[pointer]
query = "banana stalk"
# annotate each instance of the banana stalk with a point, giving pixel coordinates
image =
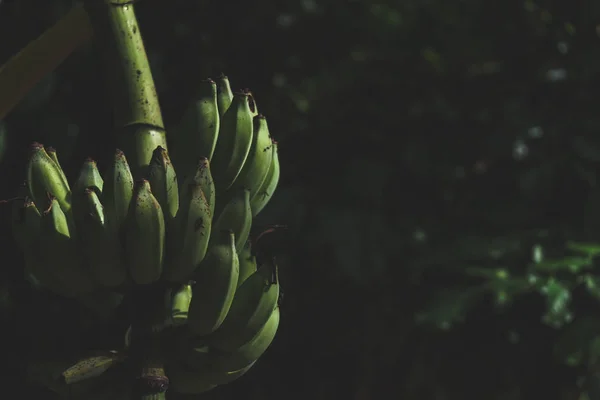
(145, 351)
(139, 131)
(136, 110)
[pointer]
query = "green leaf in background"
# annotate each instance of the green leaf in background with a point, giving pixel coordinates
(577, 341)
(558, 299)
(592, 285)
(589, 249)
(501, 284)
(449, 307)
(567, 264)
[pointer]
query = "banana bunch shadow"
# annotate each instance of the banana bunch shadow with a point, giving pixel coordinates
(105, 236)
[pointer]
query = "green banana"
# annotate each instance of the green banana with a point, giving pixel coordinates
(204, 178)
(117, 193)
(216, 279)
(52, 154)
(194, 371)
(258, 163)
(145, 236)
(233, 144)
(189, 236)
(224, 94)
(101, 252)
(89, 177)
(180, 304)
(59, 253)
(26, 230)
(251, 351)
(253, 106)
(44, 177)
(247, 264)
(237, 216)
(265, 193)
(252, 306)
(163, 182)
(197, 132)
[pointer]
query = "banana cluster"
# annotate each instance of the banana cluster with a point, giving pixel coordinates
(96, 237)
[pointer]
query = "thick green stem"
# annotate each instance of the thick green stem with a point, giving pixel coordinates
(146, 352)
(136, 110)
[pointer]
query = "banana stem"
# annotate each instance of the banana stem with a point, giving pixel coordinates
(147, 315)
(136, 109)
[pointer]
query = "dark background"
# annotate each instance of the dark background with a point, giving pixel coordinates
(418, 140)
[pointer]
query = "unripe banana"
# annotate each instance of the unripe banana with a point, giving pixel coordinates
(59, 252)
(197, 132)
(180, 304)
(26, 230)
(216, 279)
(118, 192)
(101, 249)
(252, 306)
(145, 236)
(44, 177)
(189, 235)
(233, 144)
(265, 193)
(251, 351)
(194, 367)
(52, 154)
(224, 94)
(204, 178)
(247, 264)
(237, 216)
(163, 182)
(253, 106)
(89, 177)
(258, 163)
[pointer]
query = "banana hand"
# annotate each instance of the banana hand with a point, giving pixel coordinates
(250, 310)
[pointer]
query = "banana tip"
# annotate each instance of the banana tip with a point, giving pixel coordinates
(36, 146)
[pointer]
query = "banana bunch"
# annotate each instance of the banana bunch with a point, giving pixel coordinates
(183, 226)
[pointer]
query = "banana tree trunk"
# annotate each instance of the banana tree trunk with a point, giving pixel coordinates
(139, 130)
(136, 110)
